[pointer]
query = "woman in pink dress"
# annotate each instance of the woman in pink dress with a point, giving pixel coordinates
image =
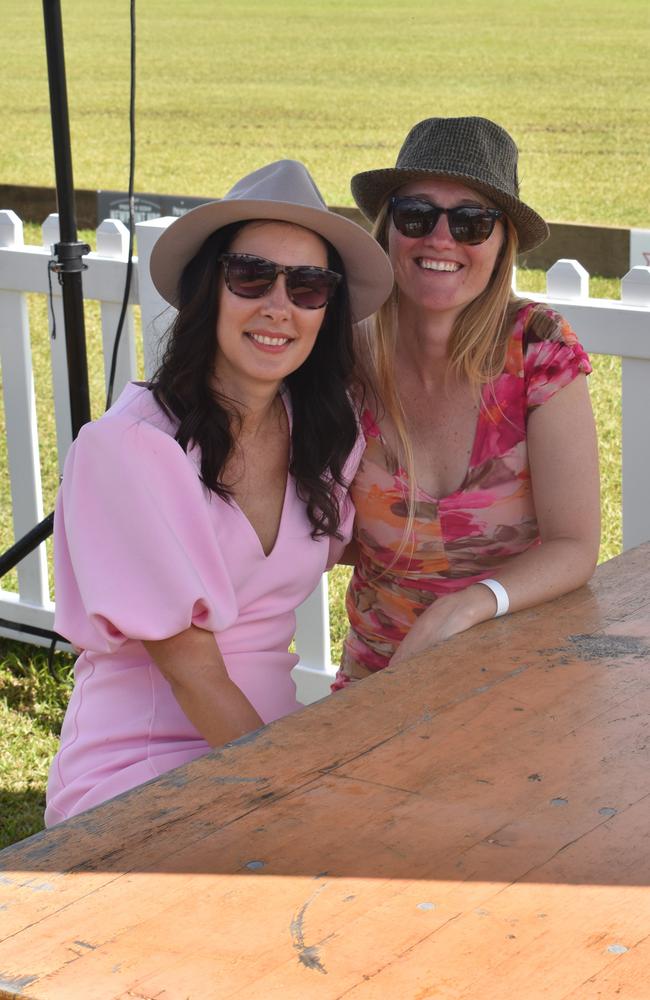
(478, 492)
(202, 508)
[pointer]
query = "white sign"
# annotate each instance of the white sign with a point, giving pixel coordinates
(639, 248)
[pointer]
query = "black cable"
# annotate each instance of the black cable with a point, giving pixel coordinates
(50, 656)
(50, 266)
(129, 263)
(43, 633)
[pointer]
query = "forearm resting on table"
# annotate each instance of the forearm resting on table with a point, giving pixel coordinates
(546, 571)
(540, 574)
(192, 664)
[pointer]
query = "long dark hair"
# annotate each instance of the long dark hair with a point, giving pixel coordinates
(324, 425)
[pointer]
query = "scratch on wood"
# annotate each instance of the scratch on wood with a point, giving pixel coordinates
(15, 984)
(224, 779)
(246, 738)
(307, 954)
(595, 647)
(144, 996)
(38, 887)
(173, 779)
(85, 944)
(153, 817)
(37, 848)
(591, 648)
(329, 767)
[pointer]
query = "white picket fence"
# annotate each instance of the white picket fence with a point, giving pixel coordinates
(603, 326)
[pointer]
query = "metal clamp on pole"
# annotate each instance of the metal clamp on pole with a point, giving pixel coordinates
(68, 258)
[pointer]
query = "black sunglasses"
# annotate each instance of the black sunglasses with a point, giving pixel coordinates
(251, 277)
(415, 217)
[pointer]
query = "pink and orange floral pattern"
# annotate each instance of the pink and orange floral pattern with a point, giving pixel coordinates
(458, 539)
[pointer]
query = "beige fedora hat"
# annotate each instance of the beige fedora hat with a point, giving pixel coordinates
(283, 191)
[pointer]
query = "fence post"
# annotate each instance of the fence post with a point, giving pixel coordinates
(20, 420)
(635, 391)
(58, 351)
(113, 241)
(567, 279)
(314, 674)
(156, 314)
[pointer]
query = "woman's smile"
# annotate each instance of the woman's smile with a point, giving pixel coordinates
(428, 264)
(267, 341)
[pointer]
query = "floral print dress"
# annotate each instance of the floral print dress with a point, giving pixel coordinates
(462, 538)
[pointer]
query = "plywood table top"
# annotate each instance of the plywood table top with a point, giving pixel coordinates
(473, 824)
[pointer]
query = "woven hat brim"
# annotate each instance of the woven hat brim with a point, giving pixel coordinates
(368, 271)
(371, 188)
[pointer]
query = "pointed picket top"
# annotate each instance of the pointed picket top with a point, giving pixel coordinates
(635, 287)
(11, 229)
(50, 231)
(113, 239)
(567, 279)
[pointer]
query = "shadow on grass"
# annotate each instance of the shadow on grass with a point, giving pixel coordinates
(33, 696)
(21, 814)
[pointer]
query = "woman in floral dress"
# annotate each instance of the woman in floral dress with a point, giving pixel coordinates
(478, 492)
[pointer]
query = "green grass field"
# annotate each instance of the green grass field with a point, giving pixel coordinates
(224, 88)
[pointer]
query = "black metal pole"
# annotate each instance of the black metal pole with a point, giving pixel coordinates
(68, 262)
(68, 252)
(26, 544)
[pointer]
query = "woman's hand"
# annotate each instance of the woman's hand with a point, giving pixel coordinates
(192, 663)
(447, 616)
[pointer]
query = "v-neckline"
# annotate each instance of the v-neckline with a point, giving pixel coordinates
(420, 491)
(267, 555)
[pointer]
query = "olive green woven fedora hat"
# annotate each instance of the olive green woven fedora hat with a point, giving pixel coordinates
(473, 150)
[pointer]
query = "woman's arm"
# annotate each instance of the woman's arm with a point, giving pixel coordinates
(563, 457)
(193, 665)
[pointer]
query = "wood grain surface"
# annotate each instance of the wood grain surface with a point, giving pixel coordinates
(472, 824)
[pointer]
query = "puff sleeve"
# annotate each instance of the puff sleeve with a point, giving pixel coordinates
(553, 356)
(136, 545)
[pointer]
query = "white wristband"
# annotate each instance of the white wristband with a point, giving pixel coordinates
(501, 594)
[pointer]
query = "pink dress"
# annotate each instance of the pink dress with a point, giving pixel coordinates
(142, 551)
(462, 538)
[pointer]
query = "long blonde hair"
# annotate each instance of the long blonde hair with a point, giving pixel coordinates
(477, 347)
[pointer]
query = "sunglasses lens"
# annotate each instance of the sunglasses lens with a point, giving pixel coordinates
(252, 277)
(311, 287)
(414, 218)
(249, 277)
(471, 225)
